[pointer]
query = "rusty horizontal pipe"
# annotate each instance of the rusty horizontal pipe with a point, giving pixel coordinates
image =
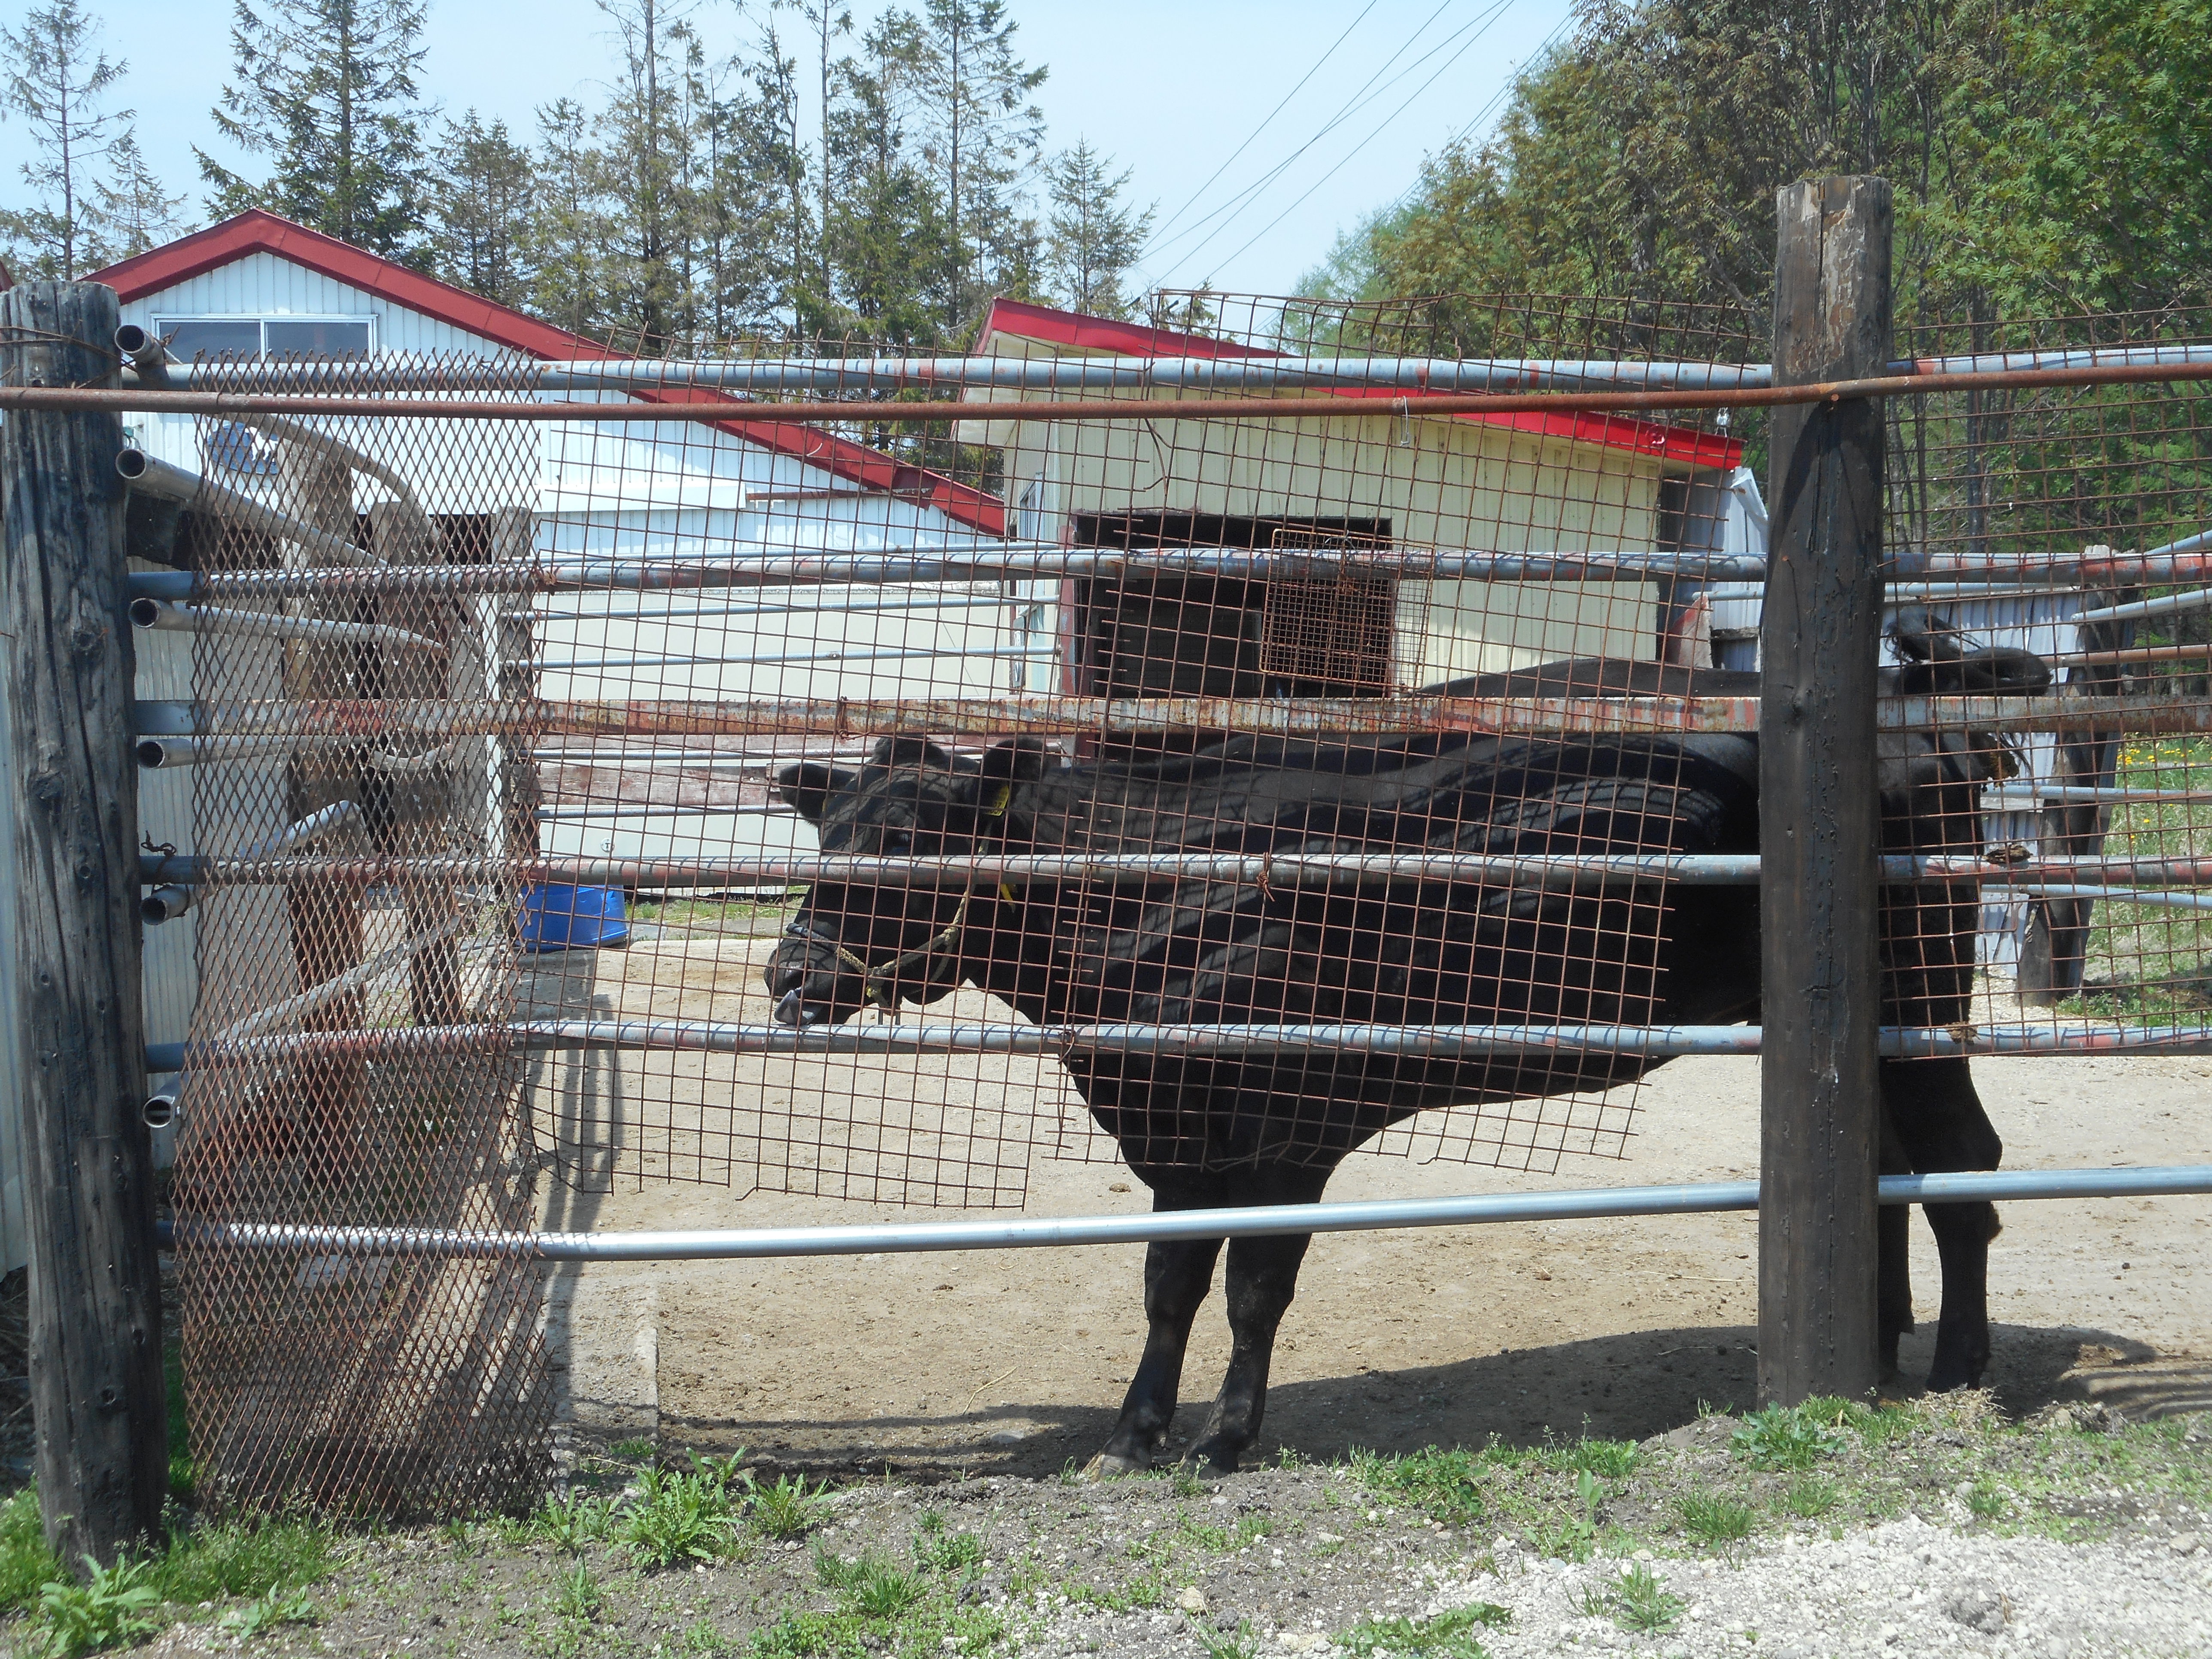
(2146, 654)
(1219, 1043)
(1047, 714)
(710, 408)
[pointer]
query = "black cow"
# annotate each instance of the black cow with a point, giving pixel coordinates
(1249, 1128)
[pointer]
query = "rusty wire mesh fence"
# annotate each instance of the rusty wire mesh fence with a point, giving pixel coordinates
(862, 809)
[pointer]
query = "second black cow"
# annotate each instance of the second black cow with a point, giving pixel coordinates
(1269, 1127)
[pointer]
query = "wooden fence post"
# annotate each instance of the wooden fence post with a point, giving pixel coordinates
(96, 1348)
(1819, 815)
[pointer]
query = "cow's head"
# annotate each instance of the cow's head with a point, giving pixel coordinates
(855, 945)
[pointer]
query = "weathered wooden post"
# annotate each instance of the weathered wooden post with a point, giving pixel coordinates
(1820, 1112)
(97, 1389)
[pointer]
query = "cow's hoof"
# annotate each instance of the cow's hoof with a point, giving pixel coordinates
(1112, 1466)
(1210, 1461)
(1959, 1364)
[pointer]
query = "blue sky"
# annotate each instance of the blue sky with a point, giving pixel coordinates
(1171, 90)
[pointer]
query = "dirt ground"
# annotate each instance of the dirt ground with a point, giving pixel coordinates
(1014, 1362)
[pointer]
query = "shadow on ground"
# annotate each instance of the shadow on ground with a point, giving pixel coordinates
(1627, 1387)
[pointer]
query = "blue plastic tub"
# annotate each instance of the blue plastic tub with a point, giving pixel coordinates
(558, 917)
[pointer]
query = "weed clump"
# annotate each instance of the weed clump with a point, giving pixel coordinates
(1449, 1634)
(1795, 1437)
(113, 1605)
(1637, 1602)
(682, 1519)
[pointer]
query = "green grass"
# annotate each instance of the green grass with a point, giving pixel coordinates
(1443, 1484)
(1450, 1634)
(1811, 1498)
(1613, 1460)
(1712, 1520)
(2147, 962)
(1637, 1602)
(268, 1613)
(881, 1605)
(25, 1562)
(570, 1522)
(1239, 1644)
(247, 1557)
(936, 1550)
(268, 1562)
(579, 1597)
(707, 915)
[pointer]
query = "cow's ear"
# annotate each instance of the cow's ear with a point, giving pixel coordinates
(909, 751)
(807, 785)
(1018, 759)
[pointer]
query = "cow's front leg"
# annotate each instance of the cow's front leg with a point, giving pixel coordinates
(1938, 1120)
(1963, 1232)
(1263, 1277)
(1176, 1278)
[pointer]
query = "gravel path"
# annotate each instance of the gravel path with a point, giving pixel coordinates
(1906, 1587)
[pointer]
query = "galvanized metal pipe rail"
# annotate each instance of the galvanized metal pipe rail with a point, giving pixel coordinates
(1052, 715)
(1239, 368)
(167, 616)
(1016, 561)
(149, 475)
(1226, 1043)
(1257, 1221)
(1288, 871)
(1012, 561)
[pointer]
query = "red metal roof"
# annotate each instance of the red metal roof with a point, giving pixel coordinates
(256, 232)
(1684, 445)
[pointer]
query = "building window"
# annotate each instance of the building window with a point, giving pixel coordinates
(319, 338)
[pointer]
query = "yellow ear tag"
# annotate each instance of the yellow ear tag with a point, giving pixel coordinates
(997, 807)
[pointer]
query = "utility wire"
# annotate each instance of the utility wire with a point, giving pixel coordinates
(1237, 202)
(1496, 12)
(1191, 200)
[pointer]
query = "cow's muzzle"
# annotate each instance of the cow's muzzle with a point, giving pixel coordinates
(805, 991)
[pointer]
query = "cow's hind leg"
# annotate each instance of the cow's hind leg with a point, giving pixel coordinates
(1262, 1278)
(1939, 1122)
(1177, 1279)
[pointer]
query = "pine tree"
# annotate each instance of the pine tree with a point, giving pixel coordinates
(568, 234)
(326, 89)
(480, 204)
(55, 79)
(891, 246)
(983, 133)
(131, 212)
(646, 145)
(829, 21)
(1093, 237)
